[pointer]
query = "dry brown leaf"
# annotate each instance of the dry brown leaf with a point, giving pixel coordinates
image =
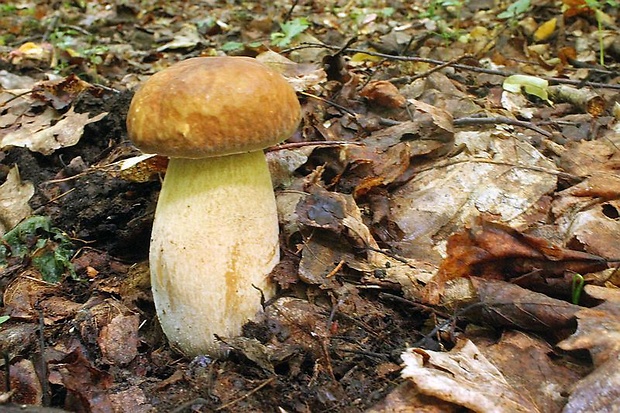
(16, 339)
(464, 376)
(587, 214)
(599, 327)
(599, 332)
(322, 258)
(143, 168)
(508, 305)
(587, 157)
(25, 383)
(386, 154)
(383, 93)
(449, 194)
(87, 385)
(187, 37)
(27, 295)
(598, 392)
(118, 340)
(131, 400)
(407, 399)
(529, 365)
(297, 322)
(62, 93)
(495, 251)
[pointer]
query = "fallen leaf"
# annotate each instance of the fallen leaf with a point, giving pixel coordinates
(143, 168)
(587, 214)
(530, 366)
(383, 93)
(39, 135)
(25, 383)
(508, 305)
(597, 392)
(27, 296)
(16, 339)
(31, 52)
(299, 323)
(252, 349)
(118, 340)
(465, 377)
(495, 251)
(14, 197)
(301, 76)
(187, 37)
(449, 194)
(599, 327)
(531, 85)
(598, 331)
(406, 398)
(545, 30)
(62, 93)
(86, 385)
(131, 400)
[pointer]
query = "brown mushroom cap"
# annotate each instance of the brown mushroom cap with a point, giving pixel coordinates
(212, 106)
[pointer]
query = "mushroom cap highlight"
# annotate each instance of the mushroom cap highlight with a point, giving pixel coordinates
(212, 106)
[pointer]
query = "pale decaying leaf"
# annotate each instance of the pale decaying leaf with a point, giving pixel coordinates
(186, 38)
(530, 366)
(598, 392)
(465, 377)
(283, 163)
(586, 213)
(14, 197)
(599, 332)
(599, 327)
(494, 176)
(39, 135)
(302, 76)
(407, 399)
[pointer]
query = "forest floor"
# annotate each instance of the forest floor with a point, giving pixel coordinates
(449, 208)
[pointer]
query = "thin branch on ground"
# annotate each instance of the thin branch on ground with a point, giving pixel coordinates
(496, 120)
(552, 80)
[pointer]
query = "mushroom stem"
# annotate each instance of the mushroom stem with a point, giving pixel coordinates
(213, 245)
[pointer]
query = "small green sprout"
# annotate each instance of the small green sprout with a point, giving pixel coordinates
(577, 288)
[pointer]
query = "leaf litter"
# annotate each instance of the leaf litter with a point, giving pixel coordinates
(451, 188)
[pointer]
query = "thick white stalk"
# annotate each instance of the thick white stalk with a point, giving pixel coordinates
(215, 237)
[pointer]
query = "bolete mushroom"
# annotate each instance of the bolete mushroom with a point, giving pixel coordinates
(215, 233)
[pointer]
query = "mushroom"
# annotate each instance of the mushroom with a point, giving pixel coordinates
(215, 233)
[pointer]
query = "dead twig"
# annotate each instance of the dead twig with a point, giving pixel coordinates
(553, 80)
(329, 102)
(561, 174)
(45, 385)
(495, 120)
(189, 404)
(295, 145)
(248, 394)
(452, 62)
